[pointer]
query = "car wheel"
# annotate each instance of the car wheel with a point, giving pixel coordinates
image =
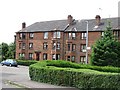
(10, 65)
(2, 64)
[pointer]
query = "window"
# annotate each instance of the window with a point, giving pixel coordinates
(56, 57)
(82, 59)
(73, 47)
(22, 35)
(54, 45)
(30, 45)
(83, 47)
(68, 58)
(68, 47)
(21, 55)
(44, 56)
(102, 34)
(58, 46)
(84, 35)
(73, 58)
(45, 45)
(31, 35)
(116, 34)
(23, 45)
(20, 45)
(56, 34)
(71, 35)
(30, 56)
(46, 35)
(53, 57)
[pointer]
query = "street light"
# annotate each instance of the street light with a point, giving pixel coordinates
(86, 42)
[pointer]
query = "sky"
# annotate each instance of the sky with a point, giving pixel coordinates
(14, 12)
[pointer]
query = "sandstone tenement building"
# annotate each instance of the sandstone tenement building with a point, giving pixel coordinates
(61, 39)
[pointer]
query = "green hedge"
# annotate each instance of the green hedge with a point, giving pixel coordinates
(79, 78)
(67, 64)
(26, 62)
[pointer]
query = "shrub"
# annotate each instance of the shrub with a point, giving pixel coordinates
(67, 76)
(26, 62)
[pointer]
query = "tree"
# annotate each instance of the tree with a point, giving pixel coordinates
(4, 50)
(106, 50)
(11, 51)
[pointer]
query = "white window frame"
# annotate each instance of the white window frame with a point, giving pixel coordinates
(83, 47)
(84, 35)
(45, 35)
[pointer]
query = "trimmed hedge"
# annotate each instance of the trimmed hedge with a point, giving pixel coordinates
(26, 62)
(79, 78)
(67, 64)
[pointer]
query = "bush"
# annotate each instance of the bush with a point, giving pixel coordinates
(79, 78)
(26, 62)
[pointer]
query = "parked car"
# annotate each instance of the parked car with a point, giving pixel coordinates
(9, 62)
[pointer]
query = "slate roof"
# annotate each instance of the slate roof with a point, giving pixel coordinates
(79, 25)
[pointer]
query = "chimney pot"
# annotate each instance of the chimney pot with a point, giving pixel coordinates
(23, 25)
(70, 19)
(98, 18)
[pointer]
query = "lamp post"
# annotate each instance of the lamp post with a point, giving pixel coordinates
(86, 42)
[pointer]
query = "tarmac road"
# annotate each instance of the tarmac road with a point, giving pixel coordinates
(18, 77)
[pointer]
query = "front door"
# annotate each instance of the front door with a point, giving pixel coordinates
(38, 56)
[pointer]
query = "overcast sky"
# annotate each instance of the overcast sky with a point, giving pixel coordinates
(14, 12)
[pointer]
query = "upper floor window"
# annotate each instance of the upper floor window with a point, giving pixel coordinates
(30, 45)
(73, 47)
(68, 47)
(102, 34)
(83, 35)
(45, 35)
(20, 45)
(45, 45)
(116, 34)
(22, 36)
(58, 45)
(31, 35)
(83, 47)
(23, 45)
(71, 35)
(56, 34)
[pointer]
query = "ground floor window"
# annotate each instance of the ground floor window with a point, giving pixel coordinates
(21, 55)
(56, 57)
(30, 56)
(44, 56)
(82, 59)
(73, 58)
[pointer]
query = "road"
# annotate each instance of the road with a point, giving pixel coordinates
(18, 77)
(8, 75)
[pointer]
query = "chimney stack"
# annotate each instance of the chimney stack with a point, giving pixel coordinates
(70, 19)
(98, 18)
(23, 25)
